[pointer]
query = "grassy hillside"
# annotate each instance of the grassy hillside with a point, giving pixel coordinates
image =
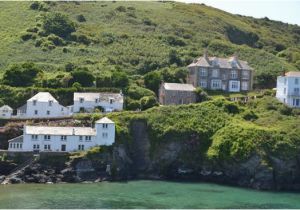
(137, 37)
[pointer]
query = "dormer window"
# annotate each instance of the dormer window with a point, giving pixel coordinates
(81, 100)
(50, 103)
(34, 102)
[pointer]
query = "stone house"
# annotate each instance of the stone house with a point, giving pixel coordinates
(227, 74)
(176, 93)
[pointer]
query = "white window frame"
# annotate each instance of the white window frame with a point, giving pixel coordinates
(245, 85)
(214, 86)
(203, 72)
(233, 74)
(203, 83)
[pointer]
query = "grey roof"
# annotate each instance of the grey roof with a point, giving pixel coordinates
(67, 131)
(18, 139)
(6, 107)
(43, 97)
(293, 74)
(104, 120)
(22, 108)
(178, 86)
(226, 63)
(118, 97)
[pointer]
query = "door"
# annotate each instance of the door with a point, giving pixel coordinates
(63, 147)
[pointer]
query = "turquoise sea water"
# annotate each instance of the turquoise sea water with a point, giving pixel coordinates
(141, 194)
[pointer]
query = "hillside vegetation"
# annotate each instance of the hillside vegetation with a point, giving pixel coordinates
(138, 38)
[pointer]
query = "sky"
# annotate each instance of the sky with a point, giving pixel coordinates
(287, 11)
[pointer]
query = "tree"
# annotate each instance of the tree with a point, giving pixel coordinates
(201, 95)
(82, 76)
(148, 102)
(119, 79)
(174, 58)
(58, 24)
(152, 80)
(104, 81)
(21, 75)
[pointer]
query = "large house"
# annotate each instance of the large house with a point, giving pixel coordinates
(88, 102)
(64, 139)
(42, 105)
(6, 112)
(227, 74)
(176, 93)
(288, 89)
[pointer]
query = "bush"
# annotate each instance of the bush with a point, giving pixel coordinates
(83, 76)
(80, 18)
(152, 80)
(58, 24)
(70, 67)
(174, 41)
(57, 41)
(21, 75)
(119, 79)
(201, 95)
(27, 36)
(249, 115)
(121, 9)
(148, 102)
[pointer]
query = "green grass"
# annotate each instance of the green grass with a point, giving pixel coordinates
(137, 43)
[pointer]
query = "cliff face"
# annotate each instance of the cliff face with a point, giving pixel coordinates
(183, 161)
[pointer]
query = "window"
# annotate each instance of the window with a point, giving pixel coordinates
(96, 100)
(285, 81)
(234, 85)
(34, 137)
(203, 83)
(216, 84)
(80, 138)
(47, 137)
(81, 100)
(105, 125)
(17, 145)
(63, 138)
(34, 102)
(284, 90)
(296, 81)
(50, 103)
(111, 101)
(296, 102)
(224, 76)
(14, 145)
(215, 73)
(36, 146)
(233, 74)
(47, 147)
(80, 147)
(48, 112)
(244, 85)
(35, 112)
(88, 138)
(245, 74)
(203, 72)
(104, 135)
(20, 145)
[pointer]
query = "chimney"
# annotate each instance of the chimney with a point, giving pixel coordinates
(205, 54)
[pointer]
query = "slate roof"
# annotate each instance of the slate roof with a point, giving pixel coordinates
(18, 139)
(118, 97)
(293, 74)
(6, 107)
(66, 131)
(179, 87)
(226, 63)
(104, 120)
(43, 97)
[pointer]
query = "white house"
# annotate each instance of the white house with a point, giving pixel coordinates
(87, 102)
(64, 139)
(42, 105)
(288, 89)
(6, 112)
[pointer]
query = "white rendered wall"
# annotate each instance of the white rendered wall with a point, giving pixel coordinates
(91, 105)
(56, 110)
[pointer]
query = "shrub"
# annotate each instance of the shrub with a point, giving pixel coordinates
(83, 76)
(175, 41)
(121, 9)
(80, 18)
(57, 41)
(152, 80)
(148, 102)
(201, 95)
(70, 67)
(21, 74)
(58, 24)
(249, 115)
(27, 36)
(119, 79)
(108, 38)
(149, 22)
(285, 110)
